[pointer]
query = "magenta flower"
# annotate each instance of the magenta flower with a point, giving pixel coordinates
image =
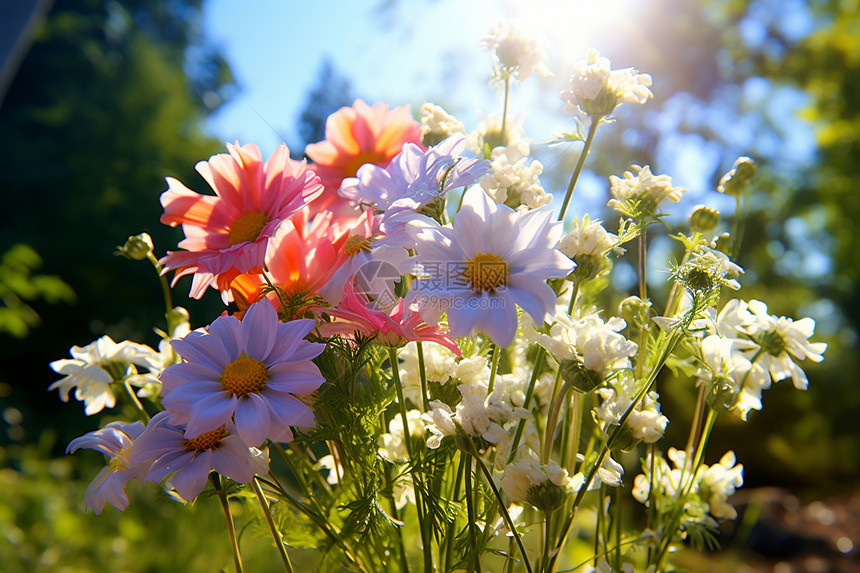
(115, 441)
(246, 372)
(190, 461)
(402, 324)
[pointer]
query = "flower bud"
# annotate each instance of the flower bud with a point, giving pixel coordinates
(581, 378)
(623, 439)
(546, 496)
(704, 218)
(635, 312)
(739, 177)
(723, 243)
(137, 247)
(587, 267)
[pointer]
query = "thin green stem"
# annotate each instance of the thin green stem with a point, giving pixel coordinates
(592, 129)
(228, 516)
(505, 109)
(449, 540)
(165, 287)
(684, 489)
(552, 421)
(425, 401)
(504, 509)
(318, 520)
(670, 345)
(643, 291)
(737, 228)
(494, 366)
(276, 535)
(518, 435)
(144, 417)
(398, 385)
(470, 514)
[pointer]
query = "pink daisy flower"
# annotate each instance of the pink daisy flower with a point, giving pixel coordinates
(402, 324)
(190, 460)
(247, 372)
(227, 234)
(357, 135)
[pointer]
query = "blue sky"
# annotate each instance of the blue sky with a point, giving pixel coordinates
(412, 51)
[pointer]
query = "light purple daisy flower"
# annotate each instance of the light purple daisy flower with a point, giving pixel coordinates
(249, 372)
(493, 259)
(190, 461)
(115, 441)
(413, 179)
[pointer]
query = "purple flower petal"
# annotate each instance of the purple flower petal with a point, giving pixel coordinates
(210, 413)
(252, 419)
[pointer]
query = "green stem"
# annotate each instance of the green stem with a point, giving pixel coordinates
(737, 228)
(470, 513)
(643, 294)
(165, 288)
(449, 541)
(504, 509)
(398, 385)
(228, 516)
(684, 490)
(552, 421)
(578, 169)
(505, 109)
(676, 336)
(541, 352)
(425, 401)
(494, 366)
(276, 535)
(144, 417)
(318, 520)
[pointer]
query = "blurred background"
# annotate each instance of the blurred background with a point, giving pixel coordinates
(100, 100)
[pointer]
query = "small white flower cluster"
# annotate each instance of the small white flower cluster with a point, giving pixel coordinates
(515, 181)
(711, 485)
(597, 344)
(392, 446)
(645, 421)
(94, 369)
(639, 192)
(523, 478)
(437, 124)
(488, 137)
(588, 238)
(748, 348)
(477, 414)
(707, 269)
(518, 53)
(596, 89)
(440, 365)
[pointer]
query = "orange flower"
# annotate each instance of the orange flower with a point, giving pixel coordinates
(302, 256)
(227, 234)
(357, 135)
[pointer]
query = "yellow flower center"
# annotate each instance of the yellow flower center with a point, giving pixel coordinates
(207, 441)
(486, 272)
(244, 376)
(356, 244)
(247, 227)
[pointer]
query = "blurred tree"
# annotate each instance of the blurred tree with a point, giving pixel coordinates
(779, 81)
(109, 100)
(331, 93)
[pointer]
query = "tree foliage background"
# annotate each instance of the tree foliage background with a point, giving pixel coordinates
(112, 97)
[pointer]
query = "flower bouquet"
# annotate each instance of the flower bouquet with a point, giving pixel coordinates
(418, 361)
